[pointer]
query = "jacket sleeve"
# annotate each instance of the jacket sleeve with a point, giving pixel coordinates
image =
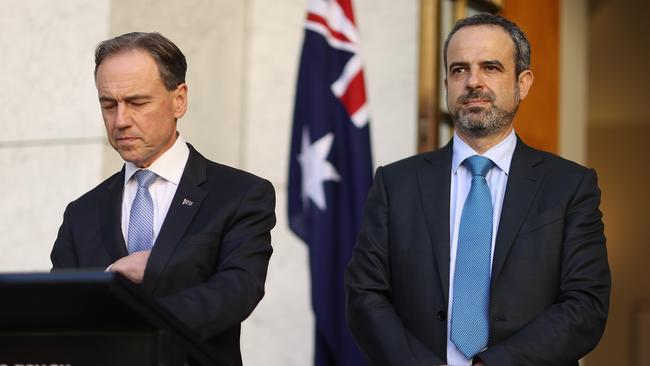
(371, 315)
(63, 253)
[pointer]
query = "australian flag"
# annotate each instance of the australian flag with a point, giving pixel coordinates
(330, 168)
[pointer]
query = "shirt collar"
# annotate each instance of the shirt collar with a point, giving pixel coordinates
(169, 165)
(500, 154)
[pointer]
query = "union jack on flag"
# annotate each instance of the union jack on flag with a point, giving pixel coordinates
(330, 167)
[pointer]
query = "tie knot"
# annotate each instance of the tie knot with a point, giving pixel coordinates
(145, 177)
(478, 165)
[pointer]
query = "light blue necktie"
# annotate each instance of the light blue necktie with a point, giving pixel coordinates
(141, 219)
(470, 308)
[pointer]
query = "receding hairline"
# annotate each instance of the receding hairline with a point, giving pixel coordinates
(494, 26)
(124, 51)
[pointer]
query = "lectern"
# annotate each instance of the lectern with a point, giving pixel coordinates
(90, 318)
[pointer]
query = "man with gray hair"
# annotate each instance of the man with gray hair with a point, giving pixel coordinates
(487, 251)
(192, 233)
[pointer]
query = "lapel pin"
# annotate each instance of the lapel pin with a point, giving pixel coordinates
(187, 202)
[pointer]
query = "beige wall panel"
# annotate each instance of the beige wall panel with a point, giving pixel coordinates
(46, 68)
(389, 41)
(51, 143)
(574, 32)
(274, 36)
(37, 185)
(280, 331)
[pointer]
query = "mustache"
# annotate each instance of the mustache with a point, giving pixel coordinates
(477, 94)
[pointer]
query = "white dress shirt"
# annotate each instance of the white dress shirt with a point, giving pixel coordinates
(461, 182)
(169, 168)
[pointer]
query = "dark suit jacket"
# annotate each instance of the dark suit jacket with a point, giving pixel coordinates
(550, 282)
(209, 262)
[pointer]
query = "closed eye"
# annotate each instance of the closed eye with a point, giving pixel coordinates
(138, 103)
(108, 105)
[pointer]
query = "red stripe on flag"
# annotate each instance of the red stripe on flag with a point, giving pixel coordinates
(346, 5)
(355, 95)
(318, 19)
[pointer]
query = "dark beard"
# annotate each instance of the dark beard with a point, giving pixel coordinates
(479, 121)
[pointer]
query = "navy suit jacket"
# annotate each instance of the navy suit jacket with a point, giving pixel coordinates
(550, 283)
(209, 262)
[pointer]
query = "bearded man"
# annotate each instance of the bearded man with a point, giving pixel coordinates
(487, 251)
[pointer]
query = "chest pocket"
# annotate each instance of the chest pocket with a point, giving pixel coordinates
(542, 219)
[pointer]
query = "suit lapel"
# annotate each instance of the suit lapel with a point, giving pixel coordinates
(523, 181)
(434, 180)
(111, 219)
(186, 203)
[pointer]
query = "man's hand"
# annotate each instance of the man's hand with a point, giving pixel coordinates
(132, 266)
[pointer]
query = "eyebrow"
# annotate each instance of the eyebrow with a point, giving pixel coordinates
(127, 99)
(493, 63)
(482, 63)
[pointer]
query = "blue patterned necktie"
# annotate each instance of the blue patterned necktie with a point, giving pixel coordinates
(470, 308)
(141, 219)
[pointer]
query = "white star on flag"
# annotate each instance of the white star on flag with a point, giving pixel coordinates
(315, 168)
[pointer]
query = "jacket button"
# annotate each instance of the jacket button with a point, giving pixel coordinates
(441, 316)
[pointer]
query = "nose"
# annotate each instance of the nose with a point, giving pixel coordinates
(122, 116)
(475, 79)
